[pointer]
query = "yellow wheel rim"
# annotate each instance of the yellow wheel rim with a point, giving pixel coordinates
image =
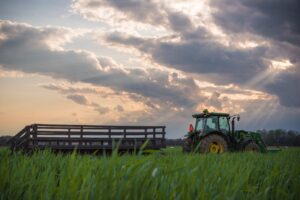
(216, 148)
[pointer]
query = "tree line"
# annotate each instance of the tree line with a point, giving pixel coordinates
(280, 137)
(277, 137)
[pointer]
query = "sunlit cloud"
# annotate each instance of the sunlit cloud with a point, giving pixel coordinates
(281, 65)
(143, 17)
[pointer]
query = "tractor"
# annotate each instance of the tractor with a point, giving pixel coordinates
(215, 133)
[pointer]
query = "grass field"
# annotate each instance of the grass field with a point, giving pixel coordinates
(171, 176)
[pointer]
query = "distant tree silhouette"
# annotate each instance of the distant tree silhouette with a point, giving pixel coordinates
(280, 137)
(4, 139)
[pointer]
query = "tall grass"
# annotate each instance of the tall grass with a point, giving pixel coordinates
(45, 175)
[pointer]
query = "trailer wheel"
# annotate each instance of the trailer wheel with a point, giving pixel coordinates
(251, 146)
(213, 144)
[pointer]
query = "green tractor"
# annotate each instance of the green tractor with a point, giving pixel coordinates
(215, 133)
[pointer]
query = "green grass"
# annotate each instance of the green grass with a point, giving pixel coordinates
(171, 176)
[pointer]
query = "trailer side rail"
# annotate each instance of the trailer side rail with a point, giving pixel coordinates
(88, 137)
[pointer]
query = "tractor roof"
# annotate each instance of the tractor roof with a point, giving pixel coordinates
(207, 114)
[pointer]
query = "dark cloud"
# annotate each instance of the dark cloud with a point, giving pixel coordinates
(231, 66)
(139, 43)
(201, 57)
(101, 110)
(261, 114)
(274, 19)
(65, 90)
(286, 87)
(141, 10)
(119, 108)
(80, 99)
(180, 22)
(70, 90)
(26, 49)
(154, 88)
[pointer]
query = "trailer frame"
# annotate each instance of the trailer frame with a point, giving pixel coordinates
(88, 138)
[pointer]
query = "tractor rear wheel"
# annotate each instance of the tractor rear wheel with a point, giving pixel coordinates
(213, 144)
(251, 146)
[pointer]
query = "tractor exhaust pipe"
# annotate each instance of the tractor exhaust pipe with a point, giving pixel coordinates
(233, 122)
(232, 126)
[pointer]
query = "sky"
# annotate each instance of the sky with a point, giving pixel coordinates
(149, 62)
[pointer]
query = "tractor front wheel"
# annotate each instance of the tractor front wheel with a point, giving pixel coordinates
(251, 146)
(187, 145)
(213, 144)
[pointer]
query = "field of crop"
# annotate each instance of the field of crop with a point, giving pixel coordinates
(174, 175)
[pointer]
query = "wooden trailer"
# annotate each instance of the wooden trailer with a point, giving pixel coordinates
(88, 138)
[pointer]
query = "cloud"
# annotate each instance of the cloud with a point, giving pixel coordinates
(130, 15)
(271, 27)
(180, 22)
(193, 63)
(286, 87)
(29, 49)
(143, 10)
(157, 87)
(31, 54)
(80, 99)
(201, 57)
(215, 100)
(277, 20)
(147, 15)
(101, 110)
(223, 64)
(119, 108)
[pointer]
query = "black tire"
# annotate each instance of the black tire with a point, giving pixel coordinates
(210, 142)
(187, 145)
(251, 146)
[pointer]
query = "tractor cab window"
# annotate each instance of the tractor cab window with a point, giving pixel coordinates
(211, 123)
(223, 123)
(199, 124)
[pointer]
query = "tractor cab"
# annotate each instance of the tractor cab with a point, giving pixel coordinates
(211, 122)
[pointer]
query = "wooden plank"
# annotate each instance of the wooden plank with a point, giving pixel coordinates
(62, 126)
(94, 139)
(88, 125)
(96, 133)
(99, 147)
